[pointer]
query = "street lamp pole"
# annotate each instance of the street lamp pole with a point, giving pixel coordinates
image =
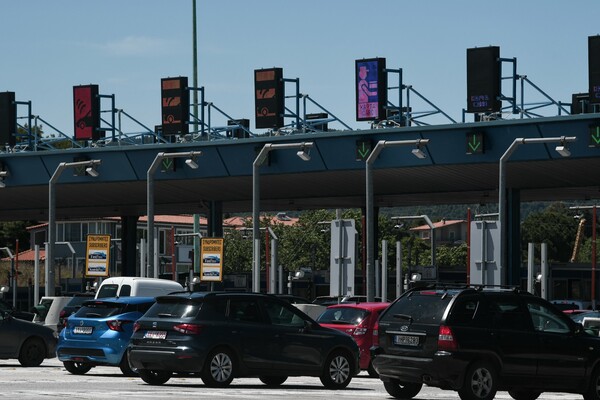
(190, 155)
(561, 149)
(417, 152)
(89, 170)
(258, 161)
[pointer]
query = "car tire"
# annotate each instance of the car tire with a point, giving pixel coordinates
(481, 382)
(272, 380)
(77, 368)
(401, 390)
(338, 370)
(524, 394)
(219, 369)
(593, 392)
(32, 352)
(371, 371)
(126, 368)
(154, 377)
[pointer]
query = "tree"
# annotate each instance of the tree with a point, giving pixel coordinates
(554, 226)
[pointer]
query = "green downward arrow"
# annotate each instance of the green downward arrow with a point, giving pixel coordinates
(474, 144)
(596, 135)
(167, 164)
(363, 151)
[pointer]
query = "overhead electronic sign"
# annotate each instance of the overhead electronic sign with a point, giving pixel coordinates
(594, 68)
(483, 79)
(8, 118)
(175, 105)
(371, 89)
(269, 98)
(86, 112)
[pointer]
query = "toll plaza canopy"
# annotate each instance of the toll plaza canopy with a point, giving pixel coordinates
(461, 167)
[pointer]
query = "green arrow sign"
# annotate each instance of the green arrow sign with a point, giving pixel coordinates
(595, 135)
(167, 165)
(363, 149)
(475, 143)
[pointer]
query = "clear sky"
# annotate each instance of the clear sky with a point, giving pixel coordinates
(127, 46)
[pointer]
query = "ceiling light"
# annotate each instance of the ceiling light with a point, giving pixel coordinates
(304, 155)
(563, 150)
(419, 153)
(191, 163)
(92, 172)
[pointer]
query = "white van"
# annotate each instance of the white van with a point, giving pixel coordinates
(123, 286)
(47, 312)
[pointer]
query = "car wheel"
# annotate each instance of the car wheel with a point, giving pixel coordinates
(371, 371)
(524, 394)
(337, 373)
(272, 380)
(77, 368)
(401, 390)
(219, 369)
(126, 368)
(153, 377)
(32, 353)
(480, 382)
(593, 392)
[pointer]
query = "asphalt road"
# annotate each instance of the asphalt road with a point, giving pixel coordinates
(52, 381)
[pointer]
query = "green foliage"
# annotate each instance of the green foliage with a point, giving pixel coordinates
(10, 231)
(555, 226)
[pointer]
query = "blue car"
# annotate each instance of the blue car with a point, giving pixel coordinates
(99, 332)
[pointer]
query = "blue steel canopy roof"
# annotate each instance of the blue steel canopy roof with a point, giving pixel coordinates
(333, 178)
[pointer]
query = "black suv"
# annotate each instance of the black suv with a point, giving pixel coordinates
(221, 336)
(481, 340)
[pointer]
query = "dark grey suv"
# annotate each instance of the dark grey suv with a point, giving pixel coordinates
(477, 341)
(220, 336)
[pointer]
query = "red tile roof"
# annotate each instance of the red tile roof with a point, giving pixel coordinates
(28, 255)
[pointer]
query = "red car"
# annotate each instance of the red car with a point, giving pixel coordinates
(359, 320)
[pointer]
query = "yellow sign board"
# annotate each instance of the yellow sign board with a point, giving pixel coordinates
(211, 259)
(97, 255)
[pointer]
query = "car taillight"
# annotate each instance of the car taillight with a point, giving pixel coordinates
(136, 326)
(117, 324)
(446, 339)
(188, 329)
(376, 334)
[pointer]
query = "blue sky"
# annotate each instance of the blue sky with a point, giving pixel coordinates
(126, 47)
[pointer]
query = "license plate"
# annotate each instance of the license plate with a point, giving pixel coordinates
(83, 330)
(155, 335)
(406, 340)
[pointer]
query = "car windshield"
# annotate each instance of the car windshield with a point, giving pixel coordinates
(424, 306)
(340, 315)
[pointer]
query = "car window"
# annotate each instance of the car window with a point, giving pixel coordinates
(125, 291)
(340, 315)
(281, 315)
(465, 311)
(99, 310)
(174, 309)
(244, 310)
(422, 307)
(508, 313)
(108, 290)
(546, 319)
